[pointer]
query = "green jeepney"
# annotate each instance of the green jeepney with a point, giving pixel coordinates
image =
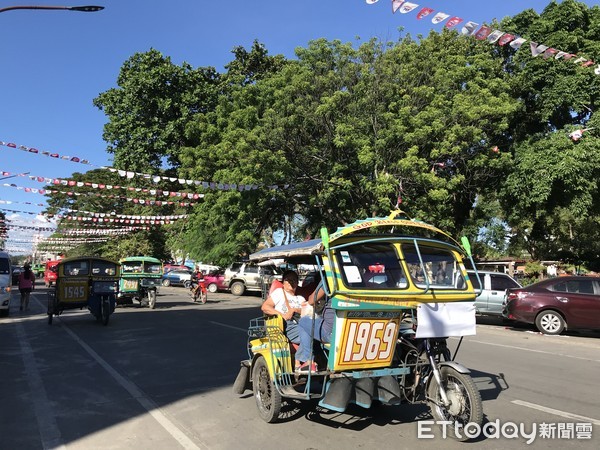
(140, 278)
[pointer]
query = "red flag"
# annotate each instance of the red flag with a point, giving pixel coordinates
(483, 33)
(453, 21)
(506, 39)
(424, 13)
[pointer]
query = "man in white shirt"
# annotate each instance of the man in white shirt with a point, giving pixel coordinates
(285, 302)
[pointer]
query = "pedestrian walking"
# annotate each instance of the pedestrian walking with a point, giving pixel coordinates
(26, 285)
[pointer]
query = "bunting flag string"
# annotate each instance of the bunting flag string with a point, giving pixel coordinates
(129, 216)
(10, 202)
(139, 201)
(73, 183)
(111, 220)
(486, 33)
(100, 231)
(155, 178)
(20, 212)
(58, 240)
(107, 217)
(26, 227)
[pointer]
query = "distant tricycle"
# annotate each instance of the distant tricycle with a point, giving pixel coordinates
(85, 282)
(140, 278)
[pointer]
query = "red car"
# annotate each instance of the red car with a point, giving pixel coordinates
(556, 303)
(215, 281)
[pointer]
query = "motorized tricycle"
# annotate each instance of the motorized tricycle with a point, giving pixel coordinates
(50, 272)
(380, 276)
(85, 282)
(140, 278)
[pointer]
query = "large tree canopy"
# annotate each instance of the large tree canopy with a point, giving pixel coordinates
(346, 132)
(469, 135)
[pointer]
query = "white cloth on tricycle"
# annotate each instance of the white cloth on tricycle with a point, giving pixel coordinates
(445, 319)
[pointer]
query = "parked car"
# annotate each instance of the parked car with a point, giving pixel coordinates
(170, 267)
(5, 283)
(177, 277)
(215, 281)
(241, 277)
(556, 304)
(493, 285)
(16, 271)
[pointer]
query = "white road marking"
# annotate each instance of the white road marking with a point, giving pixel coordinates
(49, 431)
(245, 330)
(130, 387)
(556, 412)
(534, 351)
(139, 395)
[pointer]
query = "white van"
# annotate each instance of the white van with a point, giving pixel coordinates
(490, 301)
(5, 283)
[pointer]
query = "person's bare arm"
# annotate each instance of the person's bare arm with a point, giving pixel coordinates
(268, 307)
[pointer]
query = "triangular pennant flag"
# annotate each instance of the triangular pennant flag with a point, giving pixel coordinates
(424, 13)
(439, 17)
(408, 7)
(453, 21)
(494, 36)
(483, 33)
(516, 44)
(505, 39)
(549, 53)
(536, 49)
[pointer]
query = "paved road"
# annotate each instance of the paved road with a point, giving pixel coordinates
(162, 379)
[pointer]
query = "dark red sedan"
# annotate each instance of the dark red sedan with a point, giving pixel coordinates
(556, 303)
(215, 281)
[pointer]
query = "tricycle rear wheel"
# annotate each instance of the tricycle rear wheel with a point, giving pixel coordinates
(268, 398)
(105, 310)
(152, 298)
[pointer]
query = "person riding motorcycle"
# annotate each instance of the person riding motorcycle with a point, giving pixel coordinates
(200, 289)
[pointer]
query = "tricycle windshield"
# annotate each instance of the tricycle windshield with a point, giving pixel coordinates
(132, 267)
(103, 268)
(153, 268)
(76, 268)
(378, 266)
(432, 266)
(371, 266)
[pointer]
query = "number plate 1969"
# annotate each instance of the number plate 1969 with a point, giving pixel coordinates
(367, 342)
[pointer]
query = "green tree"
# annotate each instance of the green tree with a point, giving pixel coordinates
(149, 110)
(347, 131)
(551, 196)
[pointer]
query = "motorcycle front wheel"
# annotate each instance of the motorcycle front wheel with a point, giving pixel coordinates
(465, 402)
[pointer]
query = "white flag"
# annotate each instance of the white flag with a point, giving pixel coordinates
(408, 7)
(469, 27)
(439, 17)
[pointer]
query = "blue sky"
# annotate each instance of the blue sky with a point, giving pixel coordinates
(54, 63)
